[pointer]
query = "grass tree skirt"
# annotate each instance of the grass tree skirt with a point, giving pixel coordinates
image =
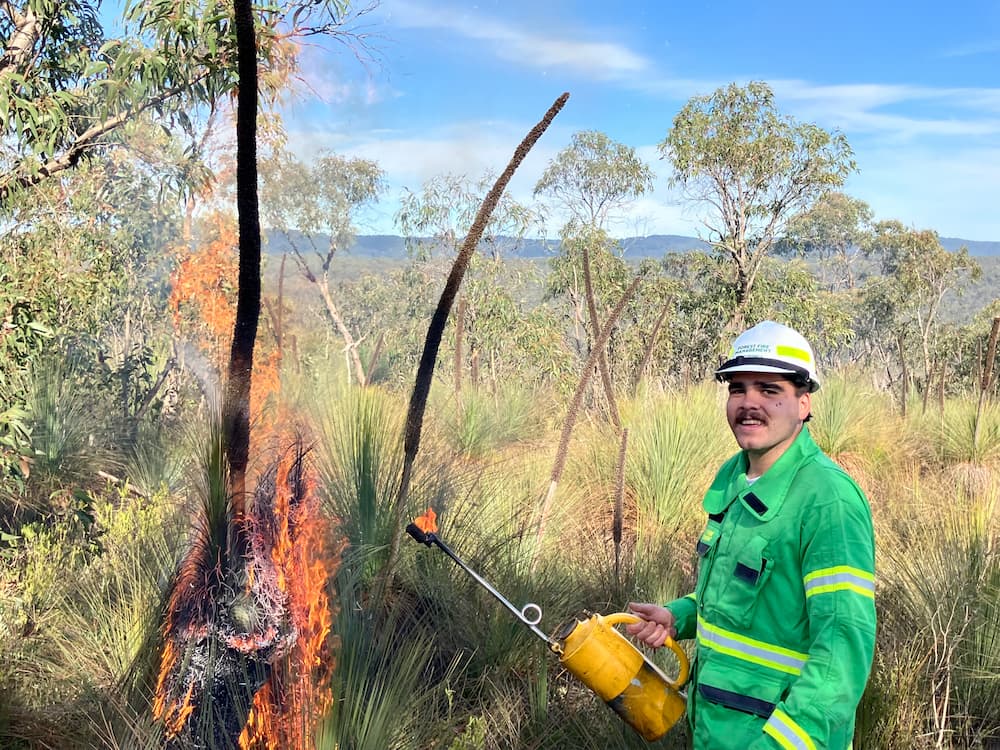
(237, 624)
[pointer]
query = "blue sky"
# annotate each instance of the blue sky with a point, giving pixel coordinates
(453, 87)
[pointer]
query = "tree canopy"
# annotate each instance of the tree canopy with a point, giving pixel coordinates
(66, 85)
(754, 169)
(594, 176)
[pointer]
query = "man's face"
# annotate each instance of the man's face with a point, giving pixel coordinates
(765, 414)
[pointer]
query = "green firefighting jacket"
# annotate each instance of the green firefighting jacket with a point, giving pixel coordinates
(784, 608)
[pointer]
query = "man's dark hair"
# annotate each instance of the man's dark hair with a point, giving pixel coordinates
(802, 387)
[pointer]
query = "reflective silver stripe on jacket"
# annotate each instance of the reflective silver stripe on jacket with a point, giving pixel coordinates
(749, 649)
(839, 578)
(787, 733)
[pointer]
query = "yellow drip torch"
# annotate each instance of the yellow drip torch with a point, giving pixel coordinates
(597, 655)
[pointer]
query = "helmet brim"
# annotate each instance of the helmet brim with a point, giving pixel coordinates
(794, 373)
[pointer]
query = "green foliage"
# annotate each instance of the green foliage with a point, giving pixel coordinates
(851, 421)
(788, 292)
(69, 432)
(953, 433)
(67, 84)
(594, 177)
(674, 450)
(945, 600)
(436, 219)
(906, 301)
(833, 230)
(703, 299)
(610, 272)
(78, 625)
(481, 422)
(754, 167)
(395, 305)
(508, 339)
(360, 463)
(610, 277)
(381, 697)
(676, 443)
(320, 198)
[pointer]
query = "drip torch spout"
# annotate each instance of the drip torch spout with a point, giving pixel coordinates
(530, 614)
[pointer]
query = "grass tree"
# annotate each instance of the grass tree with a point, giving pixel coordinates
(590, 182)
(434, 222)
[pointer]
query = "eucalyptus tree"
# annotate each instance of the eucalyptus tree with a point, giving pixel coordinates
(592, 182)
(314, 207)
(918, 273)
(68, 84)
(833, 230)
(435, 219)
(594, 178)
(752, 168)
(491, 325)
(77, 83)
(84, 269)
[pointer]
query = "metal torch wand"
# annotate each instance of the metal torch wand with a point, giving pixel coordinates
(530, 614)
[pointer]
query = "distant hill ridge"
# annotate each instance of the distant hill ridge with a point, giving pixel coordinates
(653, 246)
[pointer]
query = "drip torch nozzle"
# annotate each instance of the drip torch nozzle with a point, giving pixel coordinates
(419, 534)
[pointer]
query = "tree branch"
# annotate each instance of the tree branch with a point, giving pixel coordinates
(22, 41)
(16, 180)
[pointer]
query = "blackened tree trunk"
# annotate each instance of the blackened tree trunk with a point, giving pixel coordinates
(236, 405)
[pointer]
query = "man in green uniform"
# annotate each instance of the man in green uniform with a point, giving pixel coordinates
(784, 607)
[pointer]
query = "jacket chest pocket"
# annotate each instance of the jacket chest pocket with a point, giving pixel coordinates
(739, 578)
(706, 548)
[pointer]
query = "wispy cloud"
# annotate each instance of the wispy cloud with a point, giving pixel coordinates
(521, 44)
(900, 110)
(326, 78)
(971, 49)
(469, 148)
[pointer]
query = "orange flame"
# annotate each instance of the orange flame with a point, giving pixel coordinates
(294, 558)
(173, 713)
(171, 708)
(298, 690)
(203, 300)
(427, 523)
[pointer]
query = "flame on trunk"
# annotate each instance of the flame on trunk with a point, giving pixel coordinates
(173, 713)
(297, 691)
(285, 577)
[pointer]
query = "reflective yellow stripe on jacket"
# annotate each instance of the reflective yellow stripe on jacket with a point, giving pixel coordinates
(787, 733)
(749, 649)
(840, 578)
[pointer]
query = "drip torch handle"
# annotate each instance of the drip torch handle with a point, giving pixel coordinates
(627, 618)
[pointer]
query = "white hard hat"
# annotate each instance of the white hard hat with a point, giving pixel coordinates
(772, 347)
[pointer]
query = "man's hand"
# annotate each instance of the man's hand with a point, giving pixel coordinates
(656, 627)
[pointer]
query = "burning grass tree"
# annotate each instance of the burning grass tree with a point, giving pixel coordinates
(247, 640)
(246, 635)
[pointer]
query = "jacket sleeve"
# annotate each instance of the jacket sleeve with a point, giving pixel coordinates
(685, 612)
(838, 578)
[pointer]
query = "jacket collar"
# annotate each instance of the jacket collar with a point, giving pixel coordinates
(764, 498)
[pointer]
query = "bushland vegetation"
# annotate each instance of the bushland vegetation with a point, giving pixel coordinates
(571, 425)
